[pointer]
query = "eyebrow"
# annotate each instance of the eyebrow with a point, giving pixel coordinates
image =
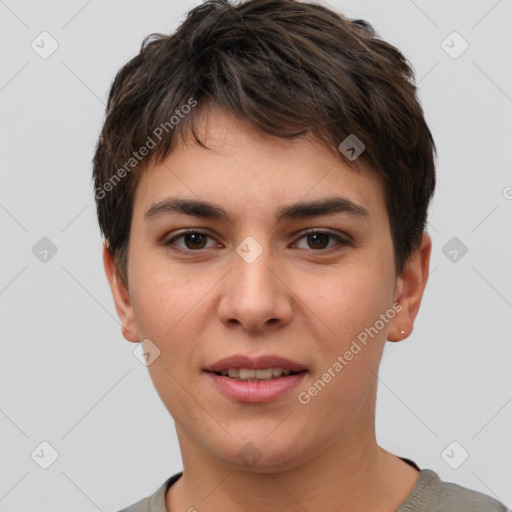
(206, 210)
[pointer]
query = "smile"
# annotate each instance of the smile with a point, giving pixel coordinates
(251, 375)
(246, 387)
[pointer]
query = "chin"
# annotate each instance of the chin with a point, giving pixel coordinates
(261, 455)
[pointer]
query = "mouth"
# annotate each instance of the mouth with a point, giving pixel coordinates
(251, 375)
(261, 379)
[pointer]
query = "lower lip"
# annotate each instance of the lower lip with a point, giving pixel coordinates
(263, 391)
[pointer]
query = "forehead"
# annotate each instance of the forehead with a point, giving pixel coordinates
(246, 168)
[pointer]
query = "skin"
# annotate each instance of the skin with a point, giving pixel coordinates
(304, 299)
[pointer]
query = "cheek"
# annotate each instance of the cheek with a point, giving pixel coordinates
(163, 299)
(348, 302)
(348, 306)
(172, 309)
(166, 310)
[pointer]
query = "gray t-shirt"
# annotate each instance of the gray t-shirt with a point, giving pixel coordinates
(430, 494)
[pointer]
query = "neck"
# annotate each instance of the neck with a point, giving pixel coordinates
(350, 474)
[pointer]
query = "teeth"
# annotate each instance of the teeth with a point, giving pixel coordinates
(276, 372)
(263, 374)
(245, 373)
(255, 375)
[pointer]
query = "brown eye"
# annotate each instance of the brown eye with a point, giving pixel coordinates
(319, 240)
(195, 241)
(192, 240)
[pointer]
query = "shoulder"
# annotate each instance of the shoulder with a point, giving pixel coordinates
(431, 494)
(155, 502)
(141, 506)
(454, 497)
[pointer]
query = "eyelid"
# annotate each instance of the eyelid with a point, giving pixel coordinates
(341, 236)
(342, 239)
(170, 241)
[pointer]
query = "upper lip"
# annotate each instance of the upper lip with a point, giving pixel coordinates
(255, 363)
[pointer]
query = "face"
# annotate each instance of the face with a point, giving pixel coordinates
(260, 281)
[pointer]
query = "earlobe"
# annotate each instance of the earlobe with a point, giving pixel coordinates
(121, 297)
(410, 288)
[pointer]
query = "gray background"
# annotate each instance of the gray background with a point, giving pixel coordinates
(67, 375)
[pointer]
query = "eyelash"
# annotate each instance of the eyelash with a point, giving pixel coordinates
(169, 243)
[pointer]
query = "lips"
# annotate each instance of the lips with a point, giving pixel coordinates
(255, 379)
(257, 363)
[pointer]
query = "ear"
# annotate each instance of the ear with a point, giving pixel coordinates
(121, 297)
(409, 290)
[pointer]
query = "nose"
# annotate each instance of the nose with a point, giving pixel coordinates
(255, 296)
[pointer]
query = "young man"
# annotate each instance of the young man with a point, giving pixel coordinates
(262, 181)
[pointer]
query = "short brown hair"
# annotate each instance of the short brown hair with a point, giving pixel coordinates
(287, 67)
